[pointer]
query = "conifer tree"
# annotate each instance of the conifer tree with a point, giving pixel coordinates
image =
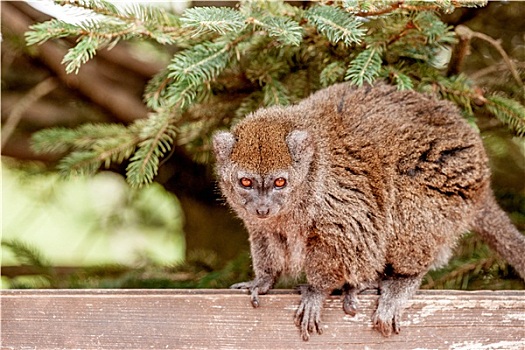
(263, 53)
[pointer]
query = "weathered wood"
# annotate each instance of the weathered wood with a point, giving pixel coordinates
(224, 319)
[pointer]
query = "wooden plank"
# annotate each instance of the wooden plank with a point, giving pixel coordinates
(224, 319)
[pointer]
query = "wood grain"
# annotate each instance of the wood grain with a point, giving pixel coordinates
(224, 319)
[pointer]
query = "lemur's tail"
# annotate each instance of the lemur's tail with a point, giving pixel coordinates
(495, 227)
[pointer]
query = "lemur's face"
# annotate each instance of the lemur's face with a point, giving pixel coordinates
(261, 164)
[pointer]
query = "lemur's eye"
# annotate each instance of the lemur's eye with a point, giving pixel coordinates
(280, 182)
(245, 182)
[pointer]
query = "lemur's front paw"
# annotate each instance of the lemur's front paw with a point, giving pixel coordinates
(308, 316)
(255, 287)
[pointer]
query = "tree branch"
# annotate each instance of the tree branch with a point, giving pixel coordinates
(465, 35)
(111, 96)
(40, 90)
(496, 68)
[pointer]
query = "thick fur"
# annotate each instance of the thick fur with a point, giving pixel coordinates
(380, 184)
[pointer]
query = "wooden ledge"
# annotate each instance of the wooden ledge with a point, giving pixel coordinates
(224, 319)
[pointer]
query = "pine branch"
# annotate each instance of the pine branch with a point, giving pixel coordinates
(101, 7)
(221, 20)
(275, 93)
(457, 89)
(26, 254)
(158, 134)
(332, 73)
(336, 24)
(155, 93)
(420, 36)
(510, 112)
(270, 65)
(141, 16)
(79, 163)
(287, 31)
(85, 137)
(116, 150)
(384, 7)
(52, 29)
(459, 277)
(182, 94)
(434, 30)
(371, 8)
(365, 67)
(53, 140)
(85, 49)
(398, 77)
(91, 146)
(201, 63)
(193, 69)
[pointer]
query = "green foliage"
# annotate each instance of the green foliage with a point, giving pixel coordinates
(89, 147)
(158, 135)
(335, 24)
(275, 93)
(332, 73)
(83, 221)
(26, 254)
(194, 67)
(372, 8)
(398, 77)
(510, 112)
(52, 29)
(285, 30)
(221, 20)
(457, 89)
(263, 53)
(365, 67)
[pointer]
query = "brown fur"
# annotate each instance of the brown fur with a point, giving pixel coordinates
(263, 152)
(381, 184)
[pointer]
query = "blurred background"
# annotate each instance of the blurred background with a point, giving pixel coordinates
(98, 232)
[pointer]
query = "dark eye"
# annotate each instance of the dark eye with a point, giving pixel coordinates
(280, 182)
(245, 182)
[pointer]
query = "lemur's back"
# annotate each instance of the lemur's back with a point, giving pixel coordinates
(404, 135)
(413, 162)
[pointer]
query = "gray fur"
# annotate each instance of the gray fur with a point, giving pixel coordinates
(380, 184)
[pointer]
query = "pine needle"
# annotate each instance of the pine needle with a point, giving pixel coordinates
(221, 20)
(510, 112)
(158, 135)
(336, 24)
(365, 67)
(26, 254)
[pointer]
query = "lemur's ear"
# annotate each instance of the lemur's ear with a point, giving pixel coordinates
(223, 142)
(300, 146)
